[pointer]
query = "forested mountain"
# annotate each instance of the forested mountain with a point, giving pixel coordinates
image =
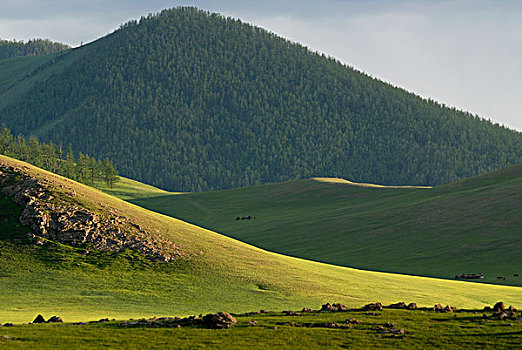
(189, 100)
(32, 47)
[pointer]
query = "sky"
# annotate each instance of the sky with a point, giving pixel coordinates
(463, 53)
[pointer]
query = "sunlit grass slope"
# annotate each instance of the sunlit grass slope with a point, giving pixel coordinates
(471, 226)
(336, 180)
(127, 189)
(223, 274)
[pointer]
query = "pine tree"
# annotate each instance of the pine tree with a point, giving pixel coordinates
(109, 172)
(70, 164)
(35, 155)
(49, 156)
(6, 139)
(81, 167)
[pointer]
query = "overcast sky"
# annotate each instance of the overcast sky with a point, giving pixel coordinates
(464, 53)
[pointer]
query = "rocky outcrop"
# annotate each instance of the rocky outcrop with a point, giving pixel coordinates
(55, 319)
(499, 307)
(334, 307)
(57, 216)
(500, 312)
(440, 308)
(400, 305)
(411, 306)
(372, 307)
(39, 319)
(220, 320)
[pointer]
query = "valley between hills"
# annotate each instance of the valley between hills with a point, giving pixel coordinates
(469, 226)
(208, 272)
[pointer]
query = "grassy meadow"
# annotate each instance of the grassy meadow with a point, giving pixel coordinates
(424, 329)
(220, 274)
(470, 226)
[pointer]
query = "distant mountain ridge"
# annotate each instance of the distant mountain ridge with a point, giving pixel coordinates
(189, 100)
(33, 47)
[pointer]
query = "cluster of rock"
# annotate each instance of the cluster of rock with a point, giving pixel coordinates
(224, 320)
(59, 218)
(440, 308)
(334, 307)
(352, 321)
(389, 330)
(403, 305)
(103, 320)
(345, 324)
(499, 311)
(368, 307)
(220, 320)
(291, 313)
(53, 319)
(372, 307)
(7, 337)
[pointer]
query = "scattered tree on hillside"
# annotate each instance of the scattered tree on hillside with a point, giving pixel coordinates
(109, 172)
(47, 156)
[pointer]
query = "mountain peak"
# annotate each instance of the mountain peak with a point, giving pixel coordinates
(189, 100)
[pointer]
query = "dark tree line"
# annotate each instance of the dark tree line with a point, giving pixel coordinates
(189, 100)
(32, 47)
(58, 160)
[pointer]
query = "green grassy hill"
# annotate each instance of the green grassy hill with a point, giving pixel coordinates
(218, 273)
(471, 226)
(191, 101)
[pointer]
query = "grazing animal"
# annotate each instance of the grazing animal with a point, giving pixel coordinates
(470, 276)
(249, 217)
(515, 274)
(501, 277)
